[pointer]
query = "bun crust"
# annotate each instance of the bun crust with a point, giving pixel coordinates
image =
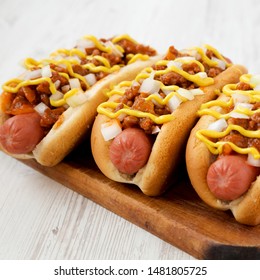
(75, 123)
(167, 149)
(246, 209)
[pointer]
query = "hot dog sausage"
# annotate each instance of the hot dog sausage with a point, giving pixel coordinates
(130, 150)
(21, 133)
(230, 176)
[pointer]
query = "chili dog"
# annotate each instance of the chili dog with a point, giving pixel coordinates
(225, 144)
(46, 111)
(139, 133)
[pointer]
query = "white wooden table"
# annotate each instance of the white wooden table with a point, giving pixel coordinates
(41, 219)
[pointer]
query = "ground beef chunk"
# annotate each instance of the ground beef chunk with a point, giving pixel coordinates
(143, 105)
(44, 87)
(241, 122)
(29, 93)
(214, 71)
(243, 86)
(172, 78)
(79, 70)
(254, 142)
(172, 53)
(147, 125)
(253, 123)
(130, 121)
(50, 117)
(238, 139)
(191, 68)
(133, 48)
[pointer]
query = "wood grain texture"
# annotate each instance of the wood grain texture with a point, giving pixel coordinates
(42, 219)
(179, 217)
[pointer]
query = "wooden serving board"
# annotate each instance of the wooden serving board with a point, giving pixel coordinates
(178, 217)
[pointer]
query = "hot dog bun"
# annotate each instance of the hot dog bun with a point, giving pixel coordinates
(153, 178)
(246, 208)
(73, 124)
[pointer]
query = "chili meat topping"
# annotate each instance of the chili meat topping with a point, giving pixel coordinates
(189, 62)
(49, 80)
(252, 123)
(236, 129)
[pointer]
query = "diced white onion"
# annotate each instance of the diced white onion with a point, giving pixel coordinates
(121, 117)
(57, 84)
(74, 83)
(202, 75)
(218, 109)
(244, 105)
(56, 96)
(85, 43)
(196, 91)
(252, 161)
(174, 103)
(166, 91)
(237, 115)
(220, 63)
(156, 130)
(135, 83)
(91, 79)
(46, 71)
(65, 88)
(191, 52)
(110, 129)
(218, 125)
(240, 98)
(152, 74)
(150, 86)
(30, 75)
(40, 108)
(177, 64)
(77, 99)
(115, 50)
(185, 93)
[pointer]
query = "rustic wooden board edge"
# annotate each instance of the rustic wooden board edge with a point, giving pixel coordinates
(145, 212)
(227, 252)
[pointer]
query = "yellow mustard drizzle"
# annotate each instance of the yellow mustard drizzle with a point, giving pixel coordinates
(208, 60)
(196, 78)
(21, 83)
(134, 57)
(102, 109)
(245, 78)
(182, 60)
(97, 43)
(107, 108)
(210, 108)
(144, 74)
(252, 94)
(164, 101)
(252, 80)
(206, 109)
(119, 89)
(68, 58)
(216, 147)
(66, 52)
(193, 78)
